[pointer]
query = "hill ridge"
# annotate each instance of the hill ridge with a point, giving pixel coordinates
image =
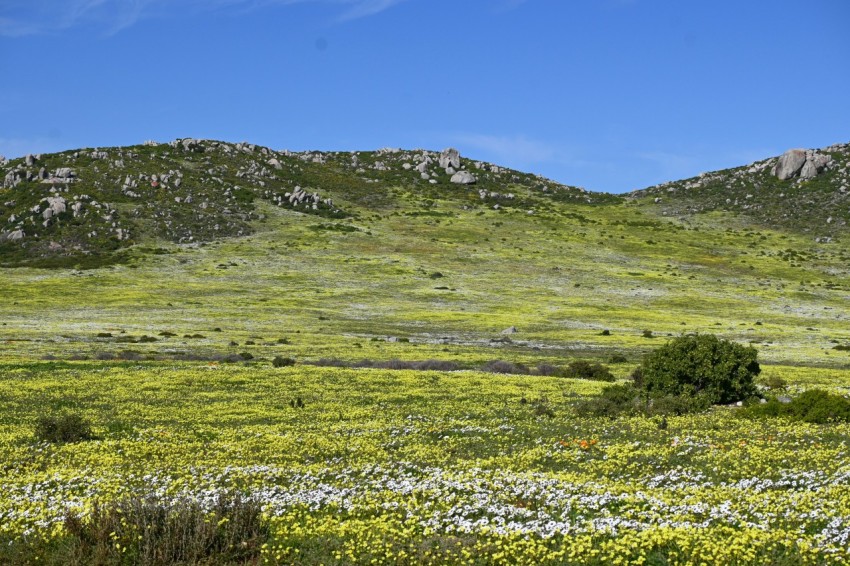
(92, 205)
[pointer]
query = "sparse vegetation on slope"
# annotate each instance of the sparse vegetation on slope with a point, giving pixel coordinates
(818, 206)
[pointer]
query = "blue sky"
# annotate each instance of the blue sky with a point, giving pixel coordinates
(608, 94)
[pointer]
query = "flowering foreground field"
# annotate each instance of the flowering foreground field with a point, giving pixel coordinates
(353, 466)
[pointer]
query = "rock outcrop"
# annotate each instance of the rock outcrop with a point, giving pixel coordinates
(449, 157)
(800, 162)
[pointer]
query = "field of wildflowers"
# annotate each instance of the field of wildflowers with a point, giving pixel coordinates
(408, 467)
(335, 465)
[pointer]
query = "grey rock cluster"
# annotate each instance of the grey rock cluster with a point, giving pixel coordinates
(800, 162)
(484, 194)
(22, 173)
(188, 144)
(298, 197)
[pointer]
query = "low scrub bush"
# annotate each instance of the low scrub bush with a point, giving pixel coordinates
(585, 370)
(813, 406)
(230, 530)
(281, 362)
(63, 428)
(614, 401)
(550, 370)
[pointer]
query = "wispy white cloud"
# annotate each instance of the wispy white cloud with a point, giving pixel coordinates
(37, 17)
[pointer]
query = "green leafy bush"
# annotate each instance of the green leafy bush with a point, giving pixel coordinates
(63, 428)
(813, 406)
(614, 401)
(585, 370)
(281, 362)
(701, 364)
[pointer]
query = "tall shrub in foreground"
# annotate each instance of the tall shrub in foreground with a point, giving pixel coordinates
(702, 364)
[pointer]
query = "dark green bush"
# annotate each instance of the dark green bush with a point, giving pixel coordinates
(63, 428)
(281, 362)
(667, 405)
(701, 364)
(818, 406)
(585, 370)
(627, 399)
(813, 406)
(614, 401)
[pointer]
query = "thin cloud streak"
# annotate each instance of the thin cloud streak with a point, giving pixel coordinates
(41, 17)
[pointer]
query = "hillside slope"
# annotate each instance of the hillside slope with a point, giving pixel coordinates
(86, 206)
(810, 196)
(370, 259)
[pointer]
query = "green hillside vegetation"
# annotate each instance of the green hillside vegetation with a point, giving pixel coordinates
(560, 264)
(752, 194)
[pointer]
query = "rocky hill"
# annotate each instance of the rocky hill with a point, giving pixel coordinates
(92, 207)
(85, 207)
(806, 191)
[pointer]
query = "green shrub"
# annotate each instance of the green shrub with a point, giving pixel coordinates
(818, 406)
(701, 364)
(153, 531)
(281, 362)
(614, 401)
(813, 406)
(637, 377)
(585, 370)
(668, 405)
(63, 428)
